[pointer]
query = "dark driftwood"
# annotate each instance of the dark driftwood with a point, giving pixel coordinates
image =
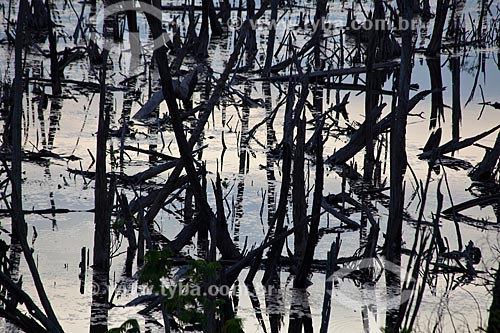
(485, 170)
(482, 201)
(452, 146)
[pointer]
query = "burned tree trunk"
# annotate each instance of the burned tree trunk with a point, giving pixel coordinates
(133, 29)
(274, 253)
(437, 105)
(319, 19)
(18, 224)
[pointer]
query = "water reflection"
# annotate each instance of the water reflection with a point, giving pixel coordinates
(99, 309)
(300, 312)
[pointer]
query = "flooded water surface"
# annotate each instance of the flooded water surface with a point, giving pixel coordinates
(257, 162)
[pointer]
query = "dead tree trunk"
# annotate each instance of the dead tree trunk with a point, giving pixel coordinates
(434, 46)
(133, 30)
(202, 50)
(398, 145)
(54, 63)
(298, 191)
(398, 163)
(214, 21)
(372, 87)
(426, 11)
(278, 223)
(456, 114)
(437, 105)
(319, 19)
(271, 39)
(251, 45)
(225, 11)
(305, 266)
(101, 216)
